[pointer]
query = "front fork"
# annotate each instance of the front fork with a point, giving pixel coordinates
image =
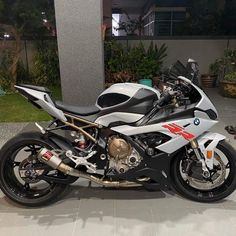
(200, 157)
(204, 149)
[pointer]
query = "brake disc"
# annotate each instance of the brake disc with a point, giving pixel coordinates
(217, 179)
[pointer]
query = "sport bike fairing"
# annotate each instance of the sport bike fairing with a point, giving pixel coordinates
(43, 100)
(180, 131)
(205, 103)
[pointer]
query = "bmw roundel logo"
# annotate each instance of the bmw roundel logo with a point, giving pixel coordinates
(196, 121)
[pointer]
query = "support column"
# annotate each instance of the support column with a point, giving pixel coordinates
(107, 16)
(80, 49)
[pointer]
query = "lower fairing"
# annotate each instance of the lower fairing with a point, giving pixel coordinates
(156, 168)
(185, 130)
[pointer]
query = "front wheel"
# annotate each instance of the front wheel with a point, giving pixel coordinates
(19, 168)
(190, 183)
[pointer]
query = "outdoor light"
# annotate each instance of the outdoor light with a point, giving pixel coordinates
(45, 20)
(6, 35)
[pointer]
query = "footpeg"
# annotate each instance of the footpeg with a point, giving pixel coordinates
(82, 160)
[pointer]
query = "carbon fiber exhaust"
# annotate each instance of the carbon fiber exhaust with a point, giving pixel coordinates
(53, 160)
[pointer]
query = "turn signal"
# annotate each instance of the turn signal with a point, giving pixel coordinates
(209, 154)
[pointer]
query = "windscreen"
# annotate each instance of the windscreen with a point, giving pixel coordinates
(179, 69)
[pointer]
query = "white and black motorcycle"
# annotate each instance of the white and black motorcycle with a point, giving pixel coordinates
(134, 136)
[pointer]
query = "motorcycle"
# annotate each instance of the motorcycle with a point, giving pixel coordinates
(135, 136)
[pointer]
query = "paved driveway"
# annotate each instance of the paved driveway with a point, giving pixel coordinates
(97, 211)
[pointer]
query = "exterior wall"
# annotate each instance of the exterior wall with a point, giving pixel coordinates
(28, 51)
(107, 16)
(205, 51)
(80, 47)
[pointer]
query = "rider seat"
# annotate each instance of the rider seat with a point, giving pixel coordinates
(77, 110)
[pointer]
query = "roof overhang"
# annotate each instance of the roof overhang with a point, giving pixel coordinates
(129, 6)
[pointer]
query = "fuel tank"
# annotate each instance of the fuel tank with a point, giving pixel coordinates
(130, 97)
(125, 102)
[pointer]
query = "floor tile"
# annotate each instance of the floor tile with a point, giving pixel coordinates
(95, 217)
(134, 221)
(199, 222)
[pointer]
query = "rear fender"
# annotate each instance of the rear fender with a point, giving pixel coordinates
(60, 141)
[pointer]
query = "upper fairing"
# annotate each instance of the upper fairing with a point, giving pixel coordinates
(205, 103)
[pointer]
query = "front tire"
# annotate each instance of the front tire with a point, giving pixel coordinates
(15, 154)
(204, 195)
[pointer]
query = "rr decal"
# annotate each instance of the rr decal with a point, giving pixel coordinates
(175, 129)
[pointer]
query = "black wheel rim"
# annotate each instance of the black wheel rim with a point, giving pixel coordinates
(15, 183)
(213, 192)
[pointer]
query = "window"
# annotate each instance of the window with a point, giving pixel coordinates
(164, 23)
(149, 23)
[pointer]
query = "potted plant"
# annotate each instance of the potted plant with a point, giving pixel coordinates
(149, 64)
(132, 64)
(228, 85)
(209, 80)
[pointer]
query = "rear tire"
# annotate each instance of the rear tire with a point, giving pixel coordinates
(11, 186)
(212, 195)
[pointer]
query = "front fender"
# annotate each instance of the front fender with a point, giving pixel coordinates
(207, 143)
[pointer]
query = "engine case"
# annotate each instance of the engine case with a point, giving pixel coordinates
(122, 156)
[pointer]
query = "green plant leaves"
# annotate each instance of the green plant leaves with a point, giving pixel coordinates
(138, 62)
(231, 77)
(46, 66)
(225, 67)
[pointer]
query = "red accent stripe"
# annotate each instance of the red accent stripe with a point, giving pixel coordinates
(172, 128)
(177, 126)
(187, 135)
(176, 129)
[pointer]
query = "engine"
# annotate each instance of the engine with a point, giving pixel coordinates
(122, 156)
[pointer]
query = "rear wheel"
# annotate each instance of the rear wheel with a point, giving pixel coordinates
(20, 168)
(189, 181)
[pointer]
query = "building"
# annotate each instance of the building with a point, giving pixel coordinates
(160, 17)
(164, 18)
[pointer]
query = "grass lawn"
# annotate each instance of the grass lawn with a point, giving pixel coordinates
(15, 108)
